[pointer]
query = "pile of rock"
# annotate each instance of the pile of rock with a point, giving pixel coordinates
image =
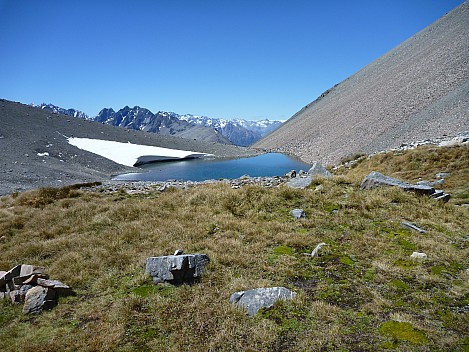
(29, 284)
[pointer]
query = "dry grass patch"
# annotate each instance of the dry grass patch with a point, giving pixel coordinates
(348, 297)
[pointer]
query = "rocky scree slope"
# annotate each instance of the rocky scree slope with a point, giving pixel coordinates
(419, 90)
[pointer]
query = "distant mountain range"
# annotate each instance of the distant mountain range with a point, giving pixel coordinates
(59, 110)
(238, 132)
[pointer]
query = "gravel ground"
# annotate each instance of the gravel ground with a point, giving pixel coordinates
(417, 91)
(27, 133)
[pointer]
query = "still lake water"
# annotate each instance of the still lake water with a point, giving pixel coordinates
(270, 164)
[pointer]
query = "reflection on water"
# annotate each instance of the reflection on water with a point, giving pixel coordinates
(271, 164)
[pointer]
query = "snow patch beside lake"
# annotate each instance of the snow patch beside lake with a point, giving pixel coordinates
(131, 154)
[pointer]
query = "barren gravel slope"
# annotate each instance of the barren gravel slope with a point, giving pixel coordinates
(26, 131)
(418, 90)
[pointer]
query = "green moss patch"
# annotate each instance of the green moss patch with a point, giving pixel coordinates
(399, 285)
(403, 331)
(283, 250)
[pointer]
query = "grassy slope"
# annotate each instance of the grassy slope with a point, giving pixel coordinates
(363, 293)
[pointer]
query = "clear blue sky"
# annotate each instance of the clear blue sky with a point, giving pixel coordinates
(248, 59)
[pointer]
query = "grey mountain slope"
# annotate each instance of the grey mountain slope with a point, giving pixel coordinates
(27, 131)
(418, 90)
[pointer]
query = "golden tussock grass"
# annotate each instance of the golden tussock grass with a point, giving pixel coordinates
(363, 277)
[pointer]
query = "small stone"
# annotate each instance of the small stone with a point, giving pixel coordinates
(318, 247)
(444, 198)
(253, 300)
(438, 193)
(298, 213)
(412, 226)
(15, 297)
(442, 174)
(418, 255)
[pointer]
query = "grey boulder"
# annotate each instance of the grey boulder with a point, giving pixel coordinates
(318, 170)
(177, 269)
(253, 300)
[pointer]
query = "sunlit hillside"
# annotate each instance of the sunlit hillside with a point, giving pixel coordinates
(363, 292)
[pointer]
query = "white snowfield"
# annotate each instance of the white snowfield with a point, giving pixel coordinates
(131, 154)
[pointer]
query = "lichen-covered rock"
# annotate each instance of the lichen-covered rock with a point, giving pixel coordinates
(177, 269)
(253, 300)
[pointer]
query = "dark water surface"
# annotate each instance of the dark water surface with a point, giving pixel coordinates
(271, 164)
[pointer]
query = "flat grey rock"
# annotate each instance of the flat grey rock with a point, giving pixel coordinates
(376, 179)
(253, 300)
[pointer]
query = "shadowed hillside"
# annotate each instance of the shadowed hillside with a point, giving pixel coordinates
(418, 90)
